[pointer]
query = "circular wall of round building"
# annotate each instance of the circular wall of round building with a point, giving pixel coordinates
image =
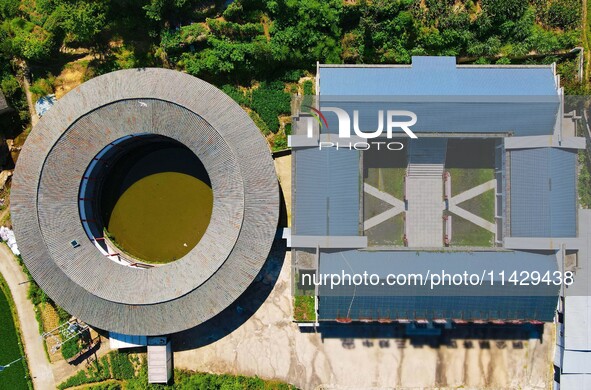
(145, 202)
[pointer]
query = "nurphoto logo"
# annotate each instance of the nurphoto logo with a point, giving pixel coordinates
(395, 121)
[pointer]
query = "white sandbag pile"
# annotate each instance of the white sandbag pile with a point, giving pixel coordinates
(7, 236)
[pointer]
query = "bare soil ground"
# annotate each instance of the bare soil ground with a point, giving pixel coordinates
(269, 344)
(71, 76)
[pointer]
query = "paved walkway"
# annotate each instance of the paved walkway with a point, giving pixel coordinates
(38, 365)
(424, 192)
(469, 194)
(424, 217)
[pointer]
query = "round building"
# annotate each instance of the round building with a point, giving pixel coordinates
(145, 202)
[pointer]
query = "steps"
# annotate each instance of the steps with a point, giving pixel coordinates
(426, 157)
(414, 170)
(424, 192)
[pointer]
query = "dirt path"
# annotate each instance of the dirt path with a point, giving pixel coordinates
(30, 102)
(38, 365)
(265, 23)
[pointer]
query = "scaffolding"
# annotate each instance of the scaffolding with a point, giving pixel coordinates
(67, 331)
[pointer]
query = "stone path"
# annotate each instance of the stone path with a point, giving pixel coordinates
(424, 217)
(424, 193)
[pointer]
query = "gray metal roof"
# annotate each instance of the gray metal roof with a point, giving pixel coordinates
(159, 300)
(327, 187)
(543, 192)
(470, 302)
(520, 116)
(446, 98)
(438, 76)
(576, 362)
(577, 320)
(575, 381)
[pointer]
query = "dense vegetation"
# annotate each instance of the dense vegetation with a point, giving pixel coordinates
(16, 376)
(118, 370)
(261, 38)
(304, 308)
(259, 50)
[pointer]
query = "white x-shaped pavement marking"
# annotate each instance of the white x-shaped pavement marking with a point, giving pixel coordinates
(469, 194)
(397, 207)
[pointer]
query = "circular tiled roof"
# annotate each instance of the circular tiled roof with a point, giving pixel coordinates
(159, 300)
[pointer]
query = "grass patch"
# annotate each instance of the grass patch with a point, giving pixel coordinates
(123, 371)
(308, 87)
(463, 179)
(303, 308)
(16, 376)
(71, 348)
(483, 205)
(584, 180)
(465, 233)
(99, 371)
(389, 180)
(387, 233)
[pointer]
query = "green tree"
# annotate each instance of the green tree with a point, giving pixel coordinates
(9, 8)
(82, 21)
(306, 30)
(565, 14)
(30, 41)
(504, 10)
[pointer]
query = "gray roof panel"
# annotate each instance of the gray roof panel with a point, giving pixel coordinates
(469, 302)
(437, 76)
(327, 188)
(543, 192)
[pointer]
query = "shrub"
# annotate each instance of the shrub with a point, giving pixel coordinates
(121, 367)
(565, 14)
(584, 180)
(63, 315)
(292, 76)
(239, 96)
(269, 100)
(105, 386)
(42, 87)
(259, 122)
(308, 87)
(70, 348)
(35, 294)
(99, 371)
(279, 142)
(10, 86)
